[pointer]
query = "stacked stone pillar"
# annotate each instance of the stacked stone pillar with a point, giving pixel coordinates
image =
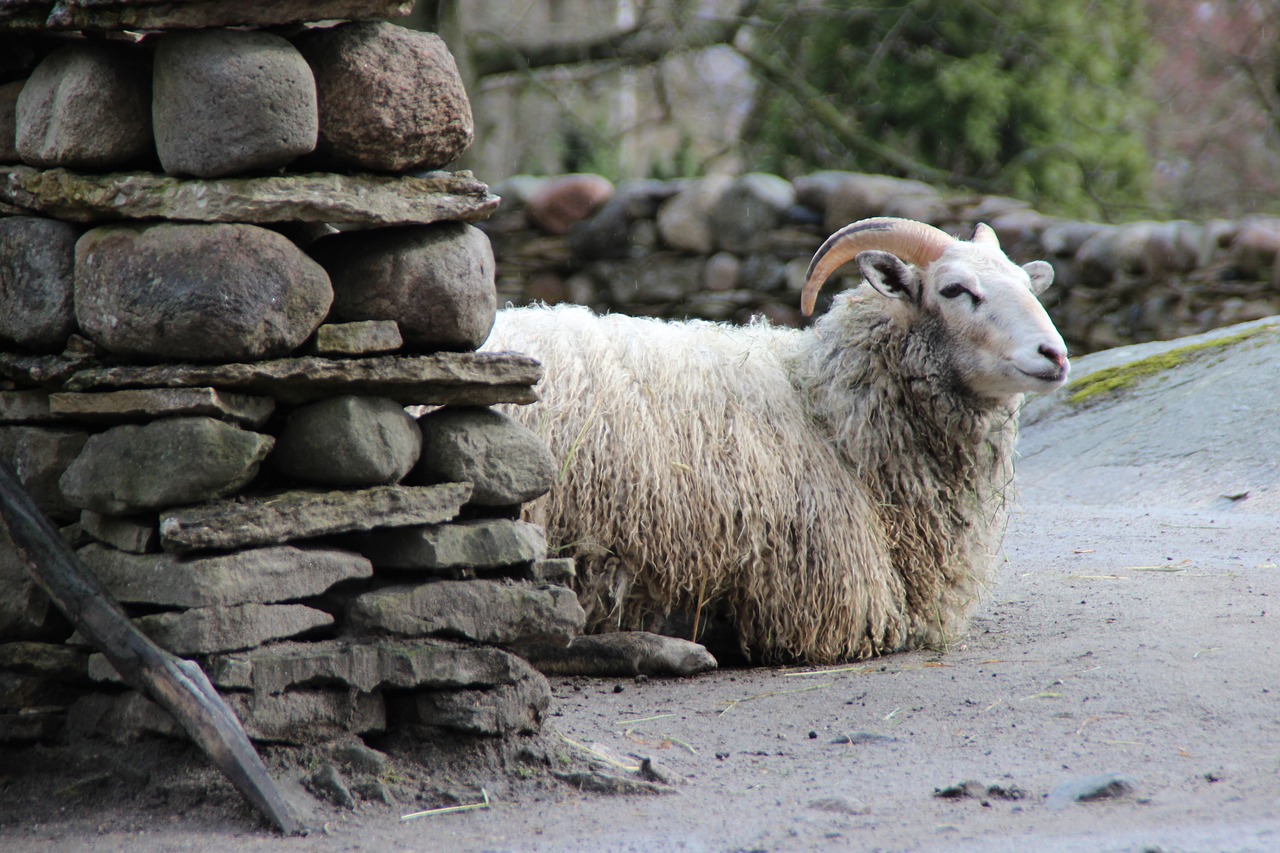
(228, 265)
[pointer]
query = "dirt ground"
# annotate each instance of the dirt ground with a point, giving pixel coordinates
(1138, 637)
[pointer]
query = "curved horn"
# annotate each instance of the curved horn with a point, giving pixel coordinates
(913, 242)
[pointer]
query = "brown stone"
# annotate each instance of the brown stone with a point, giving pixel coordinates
(363, 337)
(391, 99)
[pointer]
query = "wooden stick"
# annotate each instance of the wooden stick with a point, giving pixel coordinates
(180, 686)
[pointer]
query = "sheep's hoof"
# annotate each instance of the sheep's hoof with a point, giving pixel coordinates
(621, 653)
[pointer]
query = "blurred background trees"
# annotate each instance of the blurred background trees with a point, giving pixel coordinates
(1114, 109)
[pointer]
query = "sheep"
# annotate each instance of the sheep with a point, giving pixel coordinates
(835, 492)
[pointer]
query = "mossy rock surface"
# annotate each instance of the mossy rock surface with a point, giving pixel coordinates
(1190, 423)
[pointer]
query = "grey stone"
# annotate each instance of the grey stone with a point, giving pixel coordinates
(363, 337)
(557, 570)
(391, 99)
(195, 14)
(361, 758)
(435, 281)
(121, 718)
(327, 782)
(170, 462)
(482, 544)
(37, 283)
(25, 611)
(231, 101)
(27, 406)
(101, 670)
(684, 220)
(462, 379)
(207, 630)
(348, 441)
(483, 611)
(47, 370)
(87, 106)
(309, 716)
(368, 199)
(667, 278)
(722, 272)
(613, 230)
(366, 665)
(197, 292)
(493, 712)
(40, 456)
(751, 206)
(262, 575)
(506, 461)
(620, 653)
(134, 534)
(9, 121)
(859, 196)
(304, 514)
(52, 661)
(25, 693)
(133, 404)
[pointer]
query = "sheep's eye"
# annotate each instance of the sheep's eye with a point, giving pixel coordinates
(951, 291)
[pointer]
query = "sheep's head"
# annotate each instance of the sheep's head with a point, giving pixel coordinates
(1004, 343)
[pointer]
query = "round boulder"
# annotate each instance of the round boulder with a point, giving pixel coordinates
(435, 281)
(390, 98)
(210, 293)
(684, 220)
(505, 460)
(228, 101)
(558, 203)
(87, 106)
(348, 441)
(37, 282)
(165, 463)
(747, 209)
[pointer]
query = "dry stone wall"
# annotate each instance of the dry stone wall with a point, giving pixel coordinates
(227, 266)
(723, 248)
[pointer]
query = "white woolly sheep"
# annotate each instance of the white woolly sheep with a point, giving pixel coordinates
(835, 492)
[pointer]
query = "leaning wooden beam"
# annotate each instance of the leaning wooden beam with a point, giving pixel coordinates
(178, 685)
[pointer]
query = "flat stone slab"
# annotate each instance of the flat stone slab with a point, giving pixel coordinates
(366, 665)
(187, 14)
(485, 544)
(446, 378)
(208, 630)
(134, 404)
(491, 712)
(304, 514)
(29, 406)
(319, 197)
(47, 660)
(261, 576)
(483, 611)
(297, 717)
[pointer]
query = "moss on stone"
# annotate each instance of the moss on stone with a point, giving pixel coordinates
(1090, 389)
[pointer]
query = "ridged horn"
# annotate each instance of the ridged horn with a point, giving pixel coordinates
(913, 242)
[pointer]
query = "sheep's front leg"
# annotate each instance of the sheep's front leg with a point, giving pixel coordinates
(620, 653)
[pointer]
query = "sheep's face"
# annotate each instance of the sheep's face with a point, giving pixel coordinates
(1001, 339)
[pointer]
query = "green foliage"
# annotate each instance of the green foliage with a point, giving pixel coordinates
(1035, 98)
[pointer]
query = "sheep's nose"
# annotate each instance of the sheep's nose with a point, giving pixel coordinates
(1057, 356)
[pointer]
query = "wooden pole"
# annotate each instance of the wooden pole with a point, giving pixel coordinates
(180, 686)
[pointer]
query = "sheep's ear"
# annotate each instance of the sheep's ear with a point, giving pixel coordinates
(889, 275)
(1041, 274)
